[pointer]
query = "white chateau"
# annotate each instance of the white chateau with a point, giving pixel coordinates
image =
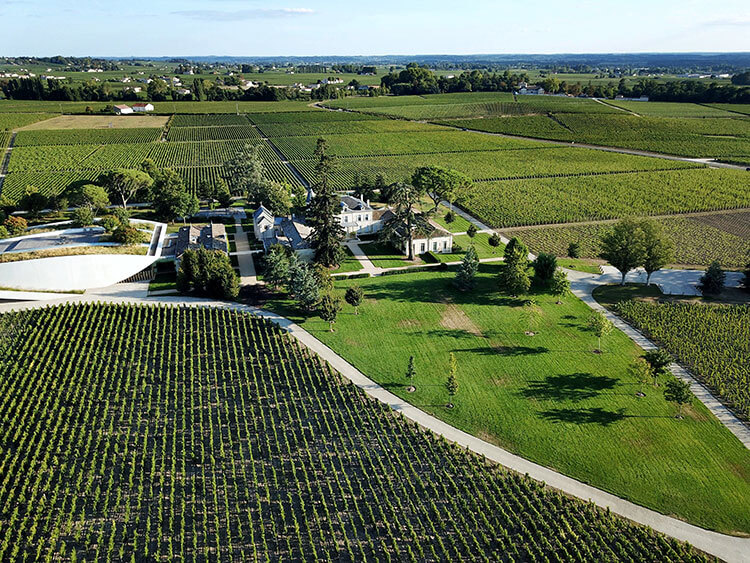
(357, 217)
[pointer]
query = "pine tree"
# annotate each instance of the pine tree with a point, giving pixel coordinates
(354, 296)
(322, 213)
(514, 275)
(559, 285)
(329, 308)
(467, 271)
(276, 269)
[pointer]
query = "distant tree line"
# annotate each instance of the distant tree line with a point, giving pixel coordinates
(419, 80)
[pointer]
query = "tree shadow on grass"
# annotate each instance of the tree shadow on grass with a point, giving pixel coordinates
(569, 387)
(509, 351)
(593, 415)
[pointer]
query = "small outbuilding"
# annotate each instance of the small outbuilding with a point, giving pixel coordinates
(142, 107)
(123, 110)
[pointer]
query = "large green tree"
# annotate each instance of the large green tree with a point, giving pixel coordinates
(624, 246)
(246, 174)
(125, 184)
(440, 183)
(171, 199)
(407, 220)
(207, 272)
(658, 249)
(322, 212)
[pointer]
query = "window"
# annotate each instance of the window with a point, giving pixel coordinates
(359, 218)
(445, 245)
(434, 245)
(423, 249)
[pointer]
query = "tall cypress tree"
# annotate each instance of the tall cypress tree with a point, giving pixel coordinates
(322, 212)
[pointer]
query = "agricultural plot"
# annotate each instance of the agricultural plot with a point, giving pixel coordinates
(429, 99)
(168, 155)
(706, 137)
(86, 137)
(217, 133)
(10, 121)
(208, 120)
(200, 433)
(99, 122)
(712, 340)
(326, 128)
(670, 109)
(316, 116)
(732, 108)
(497, 165)
(48, 183)
(31, 106)
(194, 175)
(696, 242)
(546, 397)
(357, 145)
(566, 200)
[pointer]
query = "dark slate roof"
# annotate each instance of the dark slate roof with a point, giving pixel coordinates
(213, 237)
(354, 203)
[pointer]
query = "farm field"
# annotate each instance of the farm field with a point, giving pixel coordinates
(713, 341)
(698, 241)
(733, 108)
(97, 121)
(564, 200)
(496, 165)
(195, 433)
(547, 397)
(10, 121)
(329, 128)
(670, 109)
(706, 137)
(86, 136)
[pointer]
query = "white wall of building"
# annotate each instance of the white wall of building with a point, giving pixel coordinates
(68, 273)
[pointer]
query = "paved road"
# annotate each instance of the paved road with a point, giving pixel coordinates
(248, 275)
(669, 281)
(729, 548)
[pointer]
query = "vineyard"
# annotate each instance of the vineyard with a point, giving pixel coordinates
(86, 136)
(449, 141)
(537, 163)
(671, 109)
(49, 183)
(712, 340)
(566, 200)
(9, 121)
(194, 175)
(208, 120)
(708, 137)
(214, 133)
(316, 116)
(696, 241)
(194, 433)
(301, 128)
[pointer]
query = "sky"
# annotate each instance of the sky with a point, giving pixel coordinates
(379, 27)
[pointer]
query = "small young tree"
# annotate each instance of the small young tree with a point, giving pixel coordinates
(305, 287)
(574, 250)
(494, 240)
(411, 371)
(533, 314)
(659, 360)
(467, 271)
(641, 371)
(16, 225)
(83, 216)
(452, 383)
(559, 285)
(471, 232)
(678, 391)
(329, 308)
(624, 246)
(545, 267)
(354, 296)
(514, 278)
(600, 325)
(712, 282)
(450, 216)
(658, 249)
(276, 271)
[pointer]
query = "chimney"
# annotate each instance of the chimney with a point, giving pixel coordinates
(368, 202)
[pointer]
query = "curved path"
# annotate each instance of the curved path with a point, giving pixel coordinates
(728, 548)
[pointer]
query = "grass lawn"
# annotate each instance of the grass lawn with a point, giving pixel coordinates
(579, 264)
(459, 224)
(232, 245)
(163, 281)
(547, 397)
(349, 264)
(481, 245)
(386, 256)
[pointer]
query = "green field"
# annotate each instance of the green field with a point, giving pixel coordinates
(670, 109)
(546, 397)
(706, 137)
(563, 200)
(32, 106)
(698, 241)
(9, 121)
(712, 340)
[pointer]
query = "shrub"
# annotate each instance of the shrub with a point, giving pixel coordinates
(207, 272)
(574, 250)
(83, 216)
(16, 225)
(450, 217)
(110, 223)
(127, 235)
(544, 267)
(3, 232)
(712, 282)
